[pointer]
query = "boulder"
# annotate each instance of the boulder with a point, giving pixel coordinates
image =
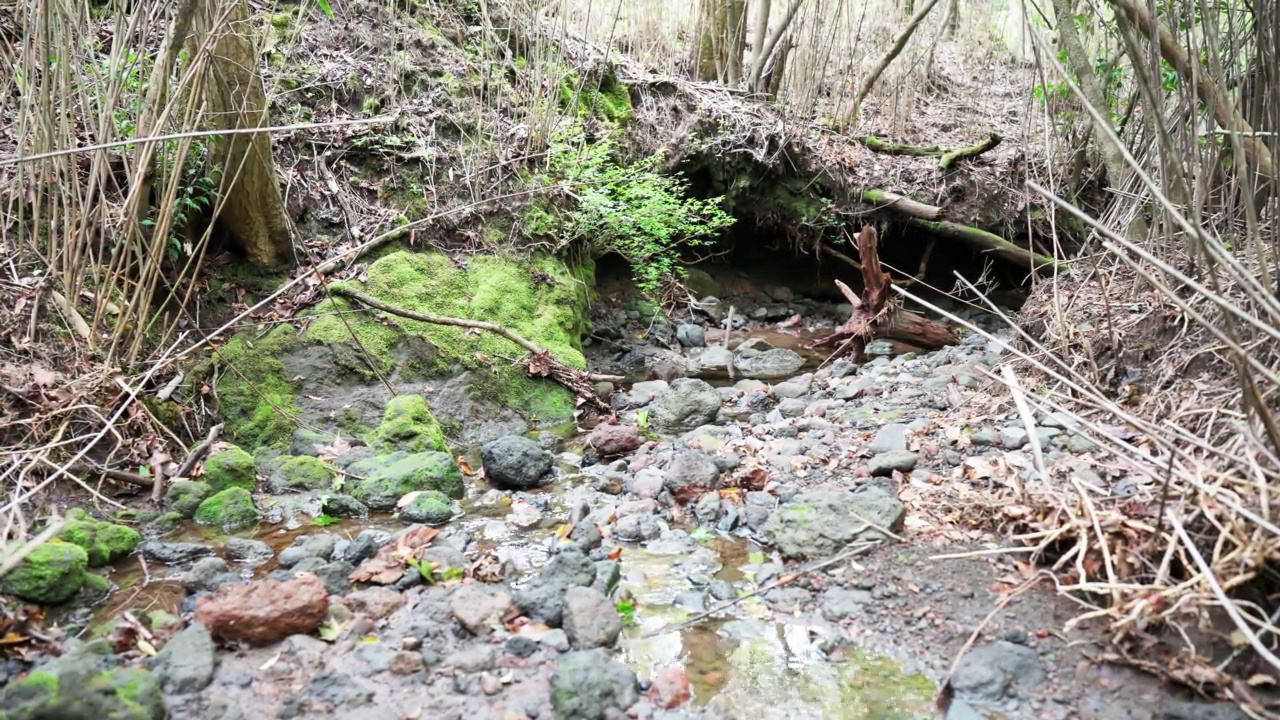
(611, 439)
(542, 598)
(230, 509)
(184, 496)
(51, 573)
(714, 359)
(770, 364)
(408, 425)
(301, 473)
(690, 335)
(590, 619)
(387, 478)
(821, 522)
(429, 507)
(228, 468)
(102, 541)
(684, 406)
(690, 475)
(989, 673)
(73, 687)
(265, 612)
(589, 684)
(186, 663)
(515, 462)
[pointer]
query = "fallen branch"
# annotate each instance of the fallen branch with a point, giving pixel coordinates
(973, 151)
(538, 363)
(948, 157)
(124, 476)
(988, 243)
(875, 315)
(886, 200)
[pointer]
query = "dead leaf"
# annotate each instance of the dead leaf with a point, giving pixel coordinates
(271, 661)
(615, 553)
(43, 376)
(333, 450)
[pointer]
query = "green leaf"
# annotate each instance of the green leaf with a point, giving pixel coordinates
(324, 6)
(701, 534)
(755, 558)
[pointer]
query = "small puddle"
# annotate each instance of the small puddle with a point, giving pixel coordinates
(749, 664)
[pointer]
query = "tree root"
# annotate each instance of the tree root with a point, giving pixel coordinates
(538, 363)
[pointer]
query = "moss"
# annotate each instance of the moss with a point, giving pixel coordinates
(166, 523)
(135, 516)
(229, 468)
(255, 395)
(407, 424)
(95, 588)
(430, 507)
(51, 573)
(387, 478)
(184, 496)
(103, 542)
(281, 20)
(371, 106)
(609, 100)
(302, 472)
(231, 509)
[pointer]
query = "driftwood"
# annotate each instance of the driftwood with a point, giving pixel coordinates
(537, 363)
(948, 157)
(877, 315)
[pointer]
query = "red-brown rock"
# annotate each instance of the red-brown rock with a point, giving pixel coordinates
(265, 612)
(610, 440)
(669, 688)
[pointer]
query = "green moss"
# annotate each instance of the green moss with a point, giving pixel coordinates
(387, 478)
(407, 424)
(95, 588)
(166, 523)
(281, 20)
(51, 573)
(73, 687)
(229, 468)
(371, 106)
(302, 472)
(430, 507)
(231, 509)
(184, 496)
(103, 542)
(255, 395)
(135, 516)
(609, 100)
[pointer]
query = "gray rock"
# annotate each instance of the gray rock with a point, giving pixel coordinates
(691, 474)
(1173, 709)
(839, 603)
(990, 672)
(886, 462)
(636, 527)
(715, 358)
(821, 522)
(791, 407)
(852, 387)
(795, 387)
(430, 508)
(770, 364)
(515, 462)
(474, 659)
(187, 662)
(308, 546)
(205, 574)
(335, 576)
(556, 640)
(245, 550)
(343, 506)
(590, 619)
(478, 608)
(690, 335)
(707, 509)
(643, 393)
(1013, 437)
(365, 546)
(758, 506)
(174, 553)
(648, 483)
(589, 684)
(542, 598)
(985, 437)
(889, 438)
(1080, 444)
(686, 405)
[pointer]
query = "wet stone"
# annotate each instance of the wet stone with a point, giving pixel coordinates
(187, 662)
(885, 463)
(889, 438)
(690, 335)
(521, 646)
(838, 603)
(590, 619)
(478, 608)
(515, 462)
(244, 550)
(588, 684)
(206, 574)
(308, 546)
(174, 553)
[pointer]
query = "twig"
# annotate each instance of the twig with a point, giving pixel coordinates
(74, 318)
(198, 452)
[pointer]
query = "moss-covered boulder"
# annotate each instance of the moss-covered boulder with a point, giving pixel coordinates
(52, 573)
(228, 468)
(540, 298)
(73, 687)
(301, 473)
(94, 590)
(165, 524)
(184, 496)
(430, 507)
(387, 478)
(408, 425)
(103, 542)
(231, 509)
(343, 506)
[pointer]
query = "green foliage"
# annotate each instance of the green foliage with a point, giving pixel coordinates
(632, 210)
(51, 573)
(325, 521)
(627, 609)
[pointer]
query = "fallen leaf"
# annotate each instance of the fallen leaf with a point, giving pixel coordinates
(615, 553)
(147, 648)
(43, 376)
(271, 661)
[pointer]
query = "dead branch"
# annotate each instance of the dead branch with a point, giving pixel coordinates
(905, 205)
(973, 151)
(538, 363)
(989, 243)
(124, 476)
(949, 157)
(889, 57)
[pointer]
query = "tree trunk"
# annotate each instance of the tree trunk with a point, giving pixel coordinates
(898, 45)
(722, 39)
(249, 194)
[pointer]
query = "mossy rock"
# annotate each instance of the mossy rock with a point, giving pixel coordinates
(184, 496)
(231, 509)
(228, 468)
(700, 283)
(540, 298)
(135, 516)
(430, 507)
(52, 573)
(408, 425)
(73, 687)
(165, 524)
(103, 542)
(94, 589)
(302, 472)
(387, 478)
(343, 506)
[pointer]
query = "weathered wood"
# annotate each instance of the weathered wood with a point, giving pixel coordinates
(885, 200)
(988, 243)
(973, 151)
(875, 315)
(948, 157)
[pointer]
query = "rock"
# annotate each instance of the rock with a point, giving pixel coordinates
(53, 572)
(643, 393)
(1080, 444)
(184, 496)
(889, 438)
(795, 387)
(690, 475)
(230, 509)
(700, 282)
(822, 522)
(852, 387)
(758, 507)
(707, 509)
(335, 576)
(103, 542)
(228, 468)
(690, 335)
(604, 390)
(186, 663)
(515, 462)
(365, 546)
(174, 553)
(714, 358)
(839, 603)
(265, 612)
(556, 640)
(984, 437)
(636, 528)
(247, 551)
(204, 574)
(1174, 709)
(73, 688)
(342, 506)
(611, 439)
(648, 483)
(300, 473)
(790, 408)
(781, 293)
(990, 672)
(542, 599)
(1013, 437)
(479, 608)
(686, 405)
(589, 684)
(669, 688)
(521, 646)
(308, 546)
(408, 425)
(387, 478)
(375, 602)
(886, 462)
(474, 659)
(770, 364)
(428, 507)
(590, 619)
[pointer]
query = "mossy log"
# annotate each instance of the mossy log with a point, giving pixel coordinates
(876, 316)
(537, 363)
(988, 243)
(948, 157)
(884, 199)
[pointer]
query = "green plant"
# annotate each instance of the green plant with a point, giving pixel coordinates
(626, 607)
(631, 210)
(325, 520)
